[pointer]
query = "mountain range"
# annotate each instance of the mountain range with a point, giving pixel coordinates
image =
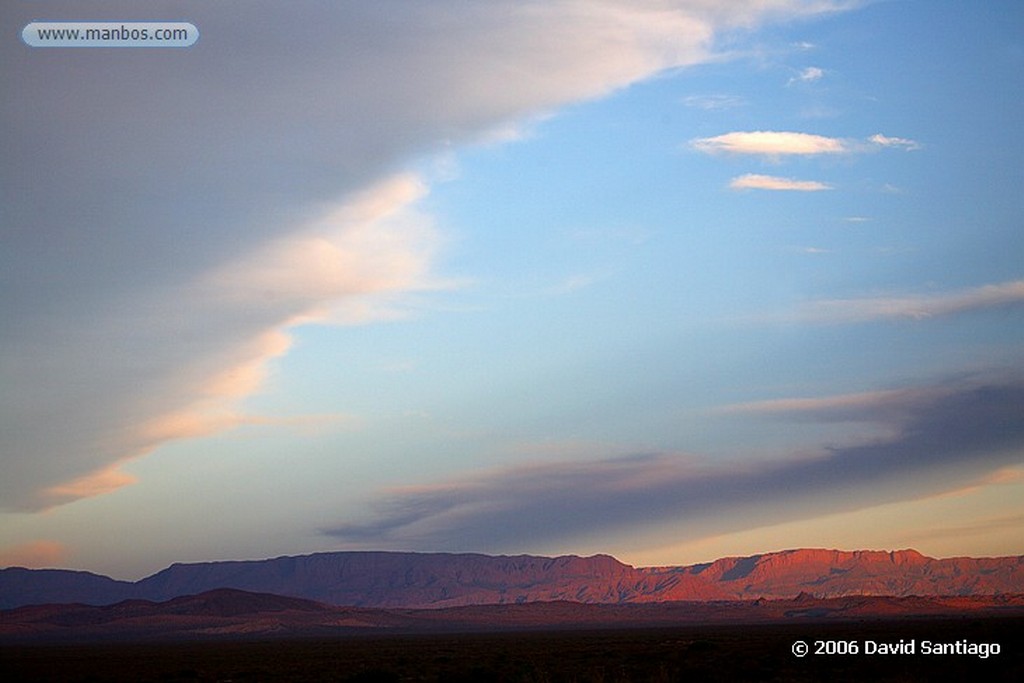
(400, 580)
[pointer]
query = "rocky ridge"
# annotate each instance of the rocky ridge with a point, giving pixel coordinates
(442, 580)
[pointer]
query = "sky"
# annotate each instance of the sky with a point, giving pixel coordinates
(668, 280)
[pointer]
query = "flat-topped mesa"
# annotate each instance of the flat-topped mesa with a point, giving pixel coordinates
(395, 579)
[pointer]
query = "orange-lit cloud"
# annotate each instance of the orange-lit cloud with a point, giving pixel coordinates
(105, 480)
(39, 554)
(246, 376)
(753, 181)
(350, 266)
(372, 243)
(771, 143)
(1005, 476)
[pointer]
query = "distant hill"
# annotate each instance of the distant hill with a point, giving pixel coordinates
(440, 580)
(20, 586)
(227, 613)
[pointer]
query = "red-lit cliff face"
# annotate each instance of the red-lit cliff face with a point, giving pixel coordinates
(436, 580)
(833, 573)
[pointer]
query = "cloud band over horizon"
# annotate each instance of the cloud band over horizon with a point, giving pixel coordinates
(939, 435)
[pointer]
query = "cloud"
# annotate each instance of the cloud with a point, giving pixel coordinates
(902, 143)
(918, 307)
(159, 242)
(983, 527)
(574, 283)
(885, 406)
(777, 144)
(940, 433)
(345, 267)
(95, 483)
(808, 75)
(713, 102)
(753, 181)
(771, 143)
(34, 554)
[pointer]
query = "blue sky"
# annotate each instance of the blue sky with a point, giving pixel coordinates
(666, 280)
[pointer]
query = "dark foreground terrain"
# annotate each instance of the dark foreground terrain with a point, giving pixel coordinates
(686, 653)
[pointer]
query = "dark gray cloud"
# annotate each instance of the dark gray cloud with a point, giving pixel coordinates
(940, 436)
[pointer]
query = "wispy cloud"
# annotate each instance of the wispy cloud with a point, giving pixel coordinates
(808, 75)
(939, 430)
(901, 143)
(982, 527)
(753, 181)
(890, 405)
(915, 307)
(573, 283)
(714, 102)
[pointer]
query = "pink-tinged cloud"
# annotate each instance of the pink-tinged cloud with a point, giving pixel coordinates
(808, 75)
(919, 307)
(771, 144)
(753, 181)
(352, 265)
(96, 483)
(941, 434)
(891, 405)
(39, 554)
(777, 144)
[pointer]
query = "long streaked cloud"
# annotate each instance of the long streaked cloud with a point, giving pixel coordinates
(916, 307)
(778, 144)
(982, 527)
(938, 434)
(871, 406)
(754, 181)
(713, 102)
(160, 241)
